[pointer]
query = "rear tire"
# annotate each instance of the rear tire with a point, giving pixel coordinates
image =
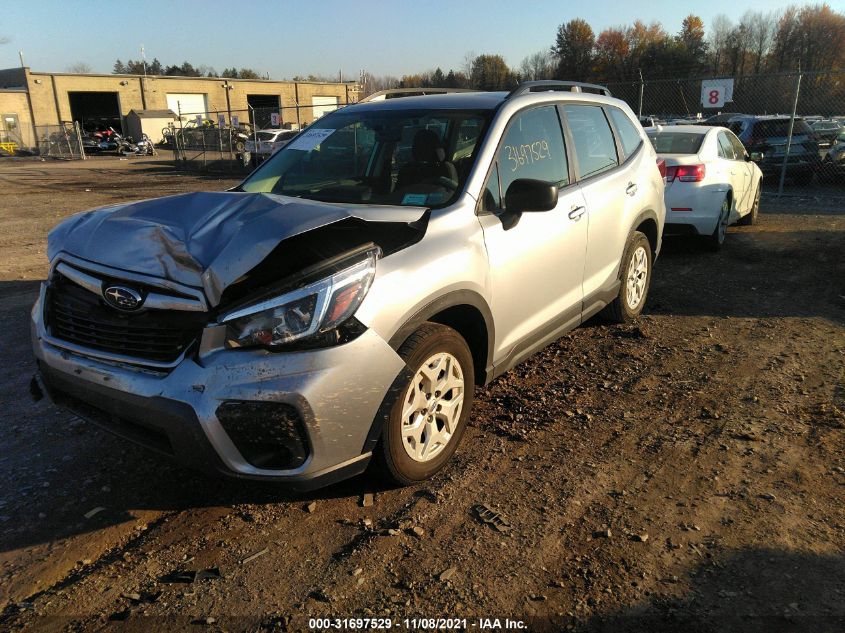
(430, 410)
(751, 218)
(635, 277)
(717, 239)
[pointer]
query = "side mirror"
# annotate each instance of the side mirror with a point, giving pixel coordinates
(526, 194)
(755, 156)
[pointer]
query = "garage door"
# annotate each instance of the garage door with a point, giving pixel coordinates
(189, 104)
(324, 105)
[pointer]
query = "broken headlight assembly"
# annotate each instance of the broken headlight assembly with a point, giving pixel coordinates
(316, 314)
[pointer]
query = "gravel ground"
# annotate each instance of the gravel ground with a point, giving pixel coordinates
(684, 473)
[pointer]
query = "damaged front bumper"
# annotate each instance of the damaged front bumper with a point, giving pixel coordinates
(326, 402)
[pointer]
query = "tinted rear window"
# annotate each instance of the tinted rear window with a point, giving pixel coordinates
(677, 143)
(780, 127)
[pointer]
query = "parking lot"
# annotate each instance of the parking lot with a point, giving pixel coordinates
(686, 472)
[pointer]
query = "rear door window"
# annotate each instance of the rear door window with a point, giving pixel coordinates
(629, 137)
(739, 148)
(726, 150)
(533, 148)
(594, 144)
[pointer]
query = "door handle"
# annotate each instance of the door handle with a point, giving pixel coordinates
(631, 189)
(576, 213)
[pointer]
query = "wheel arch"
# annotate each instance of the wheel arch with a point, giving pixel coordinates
(466, 312)
(647, 224)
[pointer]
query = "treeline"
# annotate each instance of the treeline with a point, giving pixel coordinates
(155, 67)
(760, 42)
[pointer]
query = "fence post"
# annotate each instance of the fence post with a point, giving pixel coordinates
(254, 136)
(79, 144)
(789, 135)
(182, 153)
(296, 101)
(640, 109)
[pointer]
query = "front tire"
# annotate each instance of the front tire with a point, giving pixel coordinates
(430, 411)
(635, 275)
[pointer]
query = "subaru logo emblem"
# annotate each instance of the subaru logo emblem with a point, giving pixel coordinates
(123, 298)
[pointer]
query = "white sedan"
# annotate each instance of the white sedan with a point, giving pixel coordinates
(269, 141)
(711, 181)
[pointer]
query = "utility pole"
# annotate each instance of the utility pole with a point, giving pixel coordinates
(789, 133)
(640, 110)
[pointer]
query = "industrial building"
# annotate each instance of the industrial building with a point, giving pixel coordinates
(30, 100)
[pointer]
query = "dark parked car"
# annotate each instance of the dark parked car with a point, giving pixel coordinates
(833, 165)
(722, 119)
(826, 132)
(765, 139)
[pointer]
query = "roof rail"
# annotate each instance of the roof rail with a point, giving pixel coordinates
(395, 93)
(548, 85)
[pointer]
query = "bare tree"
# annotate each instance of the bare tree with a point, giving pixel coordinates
(761, 28)
(720, 34)
(373, 83)
(469, 62)
(540, 65)
(79, 68)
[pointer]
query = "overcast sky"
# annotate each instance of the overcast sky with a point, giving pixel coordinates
(317, 37)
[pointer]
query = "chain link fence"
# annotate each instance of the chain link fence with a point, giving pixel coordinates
(808, 106)
(60, 141)
(232, 140)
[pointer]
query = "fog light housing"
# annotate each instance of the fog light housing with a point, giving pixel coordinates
(269, 435)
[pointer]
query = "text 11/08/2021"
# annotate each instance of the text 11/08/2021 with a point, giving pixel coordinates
(416, 624)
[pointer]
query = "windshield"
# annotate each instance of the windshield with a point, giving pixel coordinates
(265, 136)
(396, 157)
(677, 142)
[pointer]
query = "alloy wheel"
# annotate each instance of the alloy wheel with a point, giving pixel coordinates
(432, 407)
(637, 277)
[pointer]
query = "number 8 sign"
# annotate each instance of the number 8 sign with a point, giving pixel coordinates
(715, 94)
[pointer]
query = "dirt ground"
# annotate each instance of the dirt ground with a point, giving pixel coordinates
(686, 473)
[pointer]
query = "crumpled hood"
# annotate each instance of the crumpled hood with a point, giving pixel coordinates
(207, 240)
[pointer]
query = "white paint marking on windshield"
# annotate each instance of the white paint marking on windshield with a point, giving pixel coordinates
(311, 139)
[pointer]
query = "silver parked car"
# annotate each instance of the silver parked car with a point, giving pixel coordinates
(341, 304)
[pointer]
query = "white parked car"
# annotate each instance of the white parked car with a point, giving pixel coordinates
(711, 181)
(269, 141)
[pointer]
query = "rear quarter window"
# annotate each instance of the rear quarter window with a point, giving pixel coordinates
(629, 137)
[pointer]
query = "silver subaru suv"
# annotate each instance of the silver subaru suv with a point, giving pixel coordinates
(342, 303)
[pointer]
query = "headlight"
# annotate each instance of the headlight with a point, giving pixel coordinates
(309, 311)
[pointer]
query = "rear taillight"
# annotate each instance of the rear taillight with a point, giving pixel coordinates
(685, 173)
(661, 167)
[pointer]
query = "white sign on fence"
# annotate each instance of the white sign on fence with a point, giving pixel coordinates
(199, 120)
(274, 119)
(715, 93)
(221, 121)
(235, 120)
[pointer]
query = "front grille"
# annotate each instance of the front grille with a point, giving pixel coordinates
(79, 316)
